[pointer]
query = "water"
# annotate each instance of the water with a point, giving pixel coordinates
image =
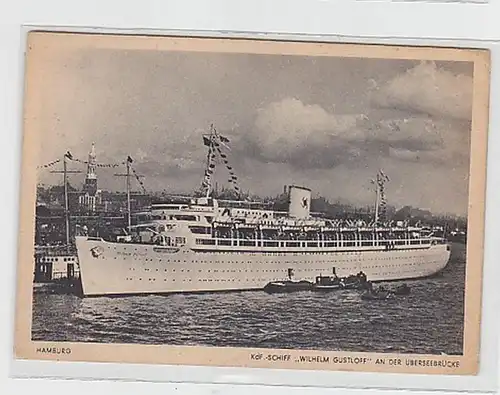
(429, 320)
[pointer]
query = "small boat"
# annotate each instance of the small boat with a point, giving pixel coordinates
(288, 286)
(328, 283)
(332, 287)
(402, 290)
(354, 282)
(377, 295)
(380, 293)
(331, 283)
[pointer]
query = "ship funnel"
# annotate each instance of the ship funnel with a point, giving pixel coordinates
(299, 202)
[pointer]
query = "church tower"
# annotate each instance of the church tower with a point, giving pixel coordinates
(90, 197)
(90, 185)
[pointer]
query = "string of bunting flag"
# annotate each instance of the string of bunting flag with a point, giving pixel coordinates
(214, 142)
(106, 165)
(50, 164)
(128, 162)
(138, 179)
(233, 179)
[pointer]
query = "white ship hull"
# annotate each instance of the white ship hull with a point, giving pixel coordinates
(130, 269)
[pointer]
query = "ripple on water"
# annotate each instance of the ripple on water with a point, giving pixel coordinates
(429, 320)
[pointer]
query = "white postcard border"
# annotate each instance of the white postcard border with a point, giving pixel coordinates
(484, 381)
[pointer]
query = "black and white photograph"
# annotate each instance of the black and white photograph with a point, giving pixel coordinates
(303, 205)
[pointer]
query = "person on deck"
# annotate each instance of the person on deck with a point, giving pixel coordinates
(362, 277)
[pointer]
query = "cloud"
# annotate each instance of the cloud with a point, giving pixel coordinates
(404, 154)
(303, 123)
(414, 134)
(428, 89)
(307, 136)
(284, 126)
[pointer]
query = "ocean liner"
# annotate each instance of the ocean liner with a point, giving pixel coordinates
(203, 244)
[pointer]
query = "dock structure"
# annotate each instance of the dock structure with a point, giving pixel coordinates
(55, 263)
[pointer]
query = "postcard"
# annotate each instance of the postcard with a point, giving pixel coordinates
(252, 203)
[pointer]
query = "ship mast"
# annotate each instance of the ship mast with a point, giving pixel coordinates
(380, 199)
(65, 173)
(128, 163)
(129, 221)
(208, 140)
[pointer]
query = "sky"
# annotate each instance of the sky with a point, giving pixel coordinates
(328, 123)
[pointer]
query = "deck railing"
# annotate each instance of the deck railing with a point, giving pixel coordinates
(388, 243)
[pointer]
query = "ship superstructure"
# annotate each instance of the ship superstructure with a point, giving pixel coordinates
(200, 244)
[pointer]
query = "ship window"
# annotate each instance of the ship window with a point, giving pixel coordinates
(205, 241)
(185, 217)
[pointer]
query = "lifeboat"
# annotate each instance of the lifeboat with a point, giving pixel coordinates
(377, 295)
(383, 294)
(288, 286)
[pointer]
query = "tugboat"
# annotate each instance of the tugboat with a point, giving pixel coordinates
(328, 283)
(288, 286)
(322, 283)
(331, 283)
